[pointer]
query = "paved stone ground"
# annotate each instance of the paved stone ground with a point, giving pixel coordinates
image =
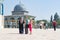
(38, 34)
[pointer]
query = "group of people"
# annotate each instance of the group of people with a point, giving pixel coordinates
(43, 25)
(25, 23)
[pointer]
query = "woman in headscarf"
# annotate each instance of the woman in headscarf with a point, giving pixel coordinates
(21, 26)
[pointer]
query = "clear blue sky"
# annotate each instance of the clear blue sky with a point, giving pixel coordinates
(42, 9)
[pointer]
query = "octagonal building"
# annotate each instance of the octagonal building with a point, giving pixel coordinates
(11, 21)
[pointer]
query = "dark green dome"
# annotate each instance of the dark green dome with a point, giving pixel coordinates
(18, 8)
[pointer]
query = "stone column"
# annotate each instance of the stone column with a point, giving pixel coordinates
(1, 22)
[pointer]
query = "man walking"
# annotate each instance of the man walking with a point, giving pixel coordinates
(54, 23)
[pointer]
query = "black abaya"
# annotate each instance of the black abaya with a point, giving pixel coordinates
(21, 28)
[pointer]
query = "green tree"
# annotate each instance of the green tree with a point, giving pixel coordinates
(37, 21)
(45, 21)
(40, 21)
(58, 22)
(56, 16)
(51, 18)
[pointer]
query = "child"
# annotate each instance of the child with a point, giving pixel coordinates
(30, 26)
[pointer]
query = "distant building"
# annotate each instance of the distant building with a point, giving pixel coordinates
(11, 21)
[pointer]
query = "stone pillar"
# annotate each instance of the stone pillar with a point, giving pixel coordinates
(1, 15)
(1, 21)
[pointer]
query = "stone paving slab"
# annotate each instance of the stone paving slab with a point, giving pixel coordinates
(38, 34)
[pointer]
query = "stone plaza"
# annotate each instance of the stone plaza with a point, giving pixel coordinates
(38, 34)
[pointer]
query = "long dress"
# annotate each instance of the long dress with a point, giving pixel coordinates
(26, 27)
(30, 27)
(21, 27)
